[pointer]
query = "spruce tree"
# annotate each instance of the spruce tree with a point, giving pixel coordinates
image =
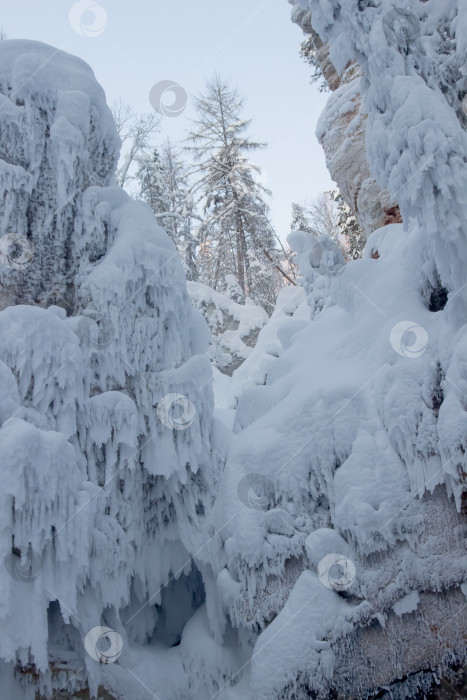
(163, 183)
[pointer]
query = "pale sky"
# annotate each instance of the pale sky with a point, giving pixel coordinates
(138, 43)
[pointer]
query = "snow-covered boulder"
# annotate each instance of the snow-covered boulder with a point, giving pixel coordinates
(234, 327)
(290, 314)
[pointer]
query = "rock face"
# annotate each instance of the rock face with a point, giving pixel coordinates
(341, 131)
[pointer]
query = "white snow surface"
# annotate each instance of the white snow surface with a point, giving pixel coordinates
(290, 314)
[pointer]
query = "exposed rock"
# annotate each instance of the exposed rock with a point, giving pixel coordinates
(341, 132)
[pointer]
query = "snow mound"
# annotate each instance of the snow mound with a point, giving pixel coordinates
(290, 314)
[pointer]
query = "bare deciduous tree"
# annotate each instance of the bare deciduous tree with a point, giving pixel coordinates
(136, 133)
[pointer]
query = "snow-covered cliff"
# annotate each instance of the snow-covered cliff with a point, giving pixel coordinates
(342, 559)
(341, 131)
(106, 438)
(344, 550)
